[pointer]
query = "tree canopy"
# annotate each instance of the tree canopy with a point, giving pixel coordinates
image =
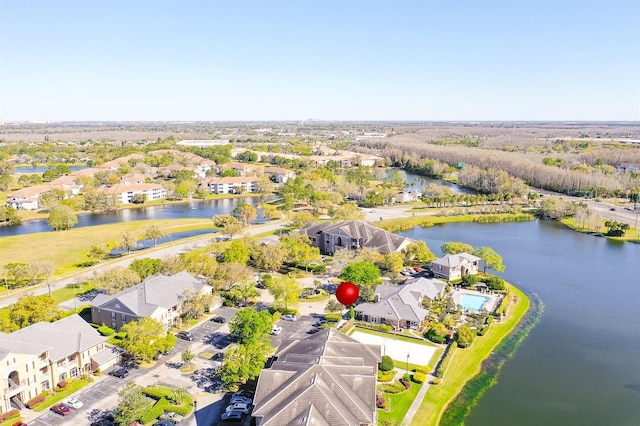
(62, 218)
(132, 404)
(491, 258)
(361, 273)
(145, 338)
(455, 247)
(250, 326)
(244, 362)
(29, 310)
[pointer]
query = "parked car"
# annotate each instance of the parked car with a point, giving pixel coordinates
(163, 423)
(19, 424)
(217, 360)
(612, 209)
(119, 372)
(174, 418)
(313, 331)
(276, 329)
(320, 322)
(232, 415)
(185, 335)
(245, 393)
(239, 399)
(102, 422)
(74, 403)
(241, 407)
(219, 320)
(289, 317)
(61, 409)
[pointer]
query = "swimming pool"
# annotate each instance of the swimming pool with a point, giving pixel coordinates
(473, 302)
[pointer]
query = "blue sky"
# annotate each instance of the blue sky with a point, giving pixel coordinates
(325, 60)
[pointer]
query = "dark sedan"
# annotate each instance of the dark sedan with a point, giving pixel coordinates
(119, 372)
(185, 335)
(219, 320)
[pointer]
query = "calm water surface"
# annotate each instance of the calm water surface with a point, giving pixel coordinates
(204, 209)
(581, 364)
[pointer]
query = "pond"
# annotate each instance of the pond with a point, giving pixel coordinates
(579, 365)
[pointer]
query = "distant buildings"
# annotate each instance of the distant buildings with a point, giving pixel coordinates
(326, 379)
(203, 143)
(128, 193)
(230, 185)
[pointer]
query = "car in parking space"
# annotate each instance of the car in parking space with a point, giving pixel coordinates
(163, 423)
(217, 359)
(74, 403)
(276, 329)
(289, 317)
(102, 422)
(612, 209)
(243, 392)
(232, 415)
(171, 416)
(61, 409)
(313, 331)
(19, 424)
(320, 322)
(120, 373)
(241, 407)
(219, 319)
(185, 335)
(239, 399)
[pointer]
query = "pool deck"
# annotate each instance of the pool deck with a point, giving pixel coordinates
(491, 304)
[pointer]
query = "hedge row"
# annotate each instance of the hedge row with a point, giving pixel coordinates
(154, 412)
(35, 401)
(106, 331)
(446, 360)
(419, 377)
(9, 415)
(386, 376)
(392, 388)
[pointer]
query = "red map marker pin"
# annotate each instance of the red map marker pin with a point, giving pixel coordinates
(347, 293)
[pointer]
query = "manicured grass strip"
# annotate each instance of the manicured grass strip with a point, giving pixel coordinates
(73, 387)
(67, 293)
(391, 336)
(68, 248)
(466, 363)
(399, 403)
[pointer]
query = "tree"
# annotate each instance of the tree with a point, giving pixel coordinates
(97, 253)
(62, 218)
(187, 355)
(491, 258)
(386, 363)
(300, 219)
(132, 403)
(285, 292)
(127, 242)
(145, 338)
(250, 326)
(199, 263)
(465, 336)
(10, 216)
(228, 274)
(146, 267)
(171, 265)
(237, 251)
(616, 229)
(271, 212)
(333, 306)
(116, 279)
(299, 249)
(195, 304)
(269, 257)
(29, 310)
(221, 220)
(394, 262)
(243, 362)
(153, 233)
(244, 292)
(419, 253)
(455, 247)
(245, 213)
(361, 273)
(556, 208)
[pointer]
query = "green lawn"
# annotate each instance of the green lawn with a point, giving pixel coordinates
(466, 363)
(75, 386)
(391, 335)
(399, 403)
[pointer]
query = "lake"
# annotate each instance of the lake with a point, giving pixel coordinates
(204, 209)
(42, 169)
(579, 365)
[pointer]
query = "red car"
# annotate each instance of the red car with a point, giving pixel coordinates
(61, 409)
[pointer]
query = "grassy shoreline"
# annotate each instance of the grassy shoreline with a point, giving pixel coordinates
(466, 363)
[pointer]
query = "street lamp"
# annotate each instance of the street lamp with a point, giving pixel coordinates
(407, 362)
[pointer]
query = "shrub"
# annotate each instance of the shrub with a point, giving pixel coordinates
(381, 401)
(9, 415)
(62, 384)
(386, 376)
(386, 364)
(333, 317)
(35, 401)
(419, 377)
(183, 410)
(157, 393)
(386, 327)
(469, 280)
(482, 331)
(406, 383)
(121, 335)
(392, 388)
(154, 412)
(495, 283)
(106, 331)
(423, 369)
(434, 336)
(284, 311)
(436, 381)
(406, 377)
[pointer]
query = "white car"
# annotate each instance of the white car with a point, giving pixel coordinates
(74, 403)
(241, 407)
(289, 317)
(276, 329)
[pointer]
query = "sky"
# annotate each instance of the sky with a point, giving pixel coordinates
(262, 60)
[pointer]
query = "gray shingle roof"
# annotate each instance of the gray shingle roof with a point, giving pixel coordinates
(453, 260)
(63, 337)
(324, 379)
(403, 302)
(155, 292)
(374, 237)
